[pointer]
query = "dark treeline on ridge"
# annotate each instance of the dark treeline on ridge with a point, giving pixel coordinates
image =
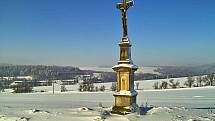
(45, 72)
(185, 71)
(40, 72)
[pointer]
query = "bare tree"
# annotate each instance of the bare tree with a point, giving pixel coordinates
(63, 88)
(190, 81)
(199, 81)
(87, 85)
(102, 88)
(1, 87)
(155, 86)
(113, 86)
(163, 85)
(173, 84)
(211, 79)
(80, 88)
(96, 89)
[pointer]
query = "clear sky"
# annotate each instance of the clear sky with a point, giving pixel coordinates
(86, 32)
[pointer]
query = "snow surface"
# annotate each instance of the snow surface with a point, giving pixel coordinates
(109, 69)
(143, 85)
(19, 77)
(186, 104)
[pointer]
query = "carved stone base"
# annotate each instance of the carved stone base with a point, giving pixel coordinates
(125, 103)
(125, 110)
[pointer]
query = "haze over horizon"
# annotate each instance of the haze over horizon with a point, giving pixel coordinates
(80, 33)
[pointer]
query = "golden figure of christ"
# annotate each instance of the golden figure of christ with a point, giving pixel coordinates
(124, 7)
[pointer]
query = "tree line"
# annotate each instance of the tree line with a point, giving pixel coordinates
(198, 81)
(88, 85)
(41, 72)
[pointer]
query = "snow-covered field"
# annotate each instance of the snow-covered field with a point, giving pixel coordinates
(170, 105)
(109, 69)
(143, 85)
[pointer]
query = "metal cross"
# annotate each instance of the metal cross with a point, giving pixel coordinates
(124, 7)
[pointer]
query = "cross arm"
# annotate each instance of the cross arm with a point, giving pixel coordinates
(129, 4)
(119, 6)
(125, 6)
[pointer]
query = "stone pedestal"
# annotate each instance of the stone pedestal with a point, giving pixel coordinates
(125, 95)
(125, 102)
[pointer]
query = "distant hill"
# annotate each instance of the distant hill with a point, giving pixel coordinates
(183, 71)
(44, 72)
(40, 72)
(161, 72)
(145, 70)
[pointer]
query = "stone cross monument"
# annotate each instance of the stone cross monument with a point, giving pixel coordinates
(125, 95)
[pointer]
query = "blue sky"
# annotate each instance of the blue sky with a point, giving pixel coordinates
(86, 32)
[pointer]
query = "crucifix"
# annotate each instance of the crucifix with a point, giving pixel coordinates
(125, 95)
(124, 7)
